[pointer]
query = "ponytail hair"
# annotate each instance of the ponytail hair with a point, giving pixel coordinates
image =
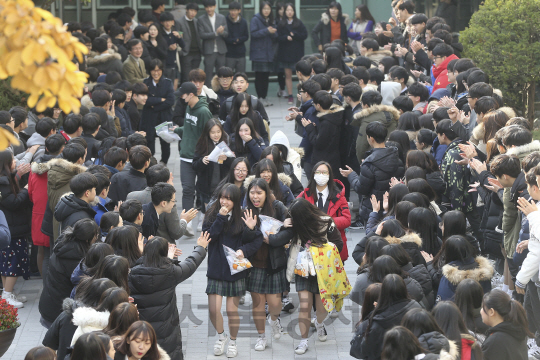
(510, 310)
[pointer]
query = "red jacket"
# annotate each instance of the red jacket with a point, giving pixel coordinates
(37, 191)
(441, 74)
(338, 210)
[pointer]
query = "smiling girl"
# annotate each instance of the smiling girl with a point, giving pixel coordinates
(139, 342)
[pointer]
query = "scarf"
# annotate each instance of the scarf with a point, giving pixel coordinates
(331, 277)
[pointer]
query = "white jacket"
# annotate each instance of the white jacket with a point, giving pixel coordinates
(293, 157)
(88, 319)
(530, 266)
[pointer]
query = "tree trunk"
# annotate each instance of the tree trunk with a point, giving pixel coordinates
(531, 99)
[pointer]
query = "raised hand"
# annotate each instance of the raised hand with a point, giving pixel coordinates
(249, 219)
(525, 206)
(189, 215)
(204, 239)
(347, 172)
(375, 204)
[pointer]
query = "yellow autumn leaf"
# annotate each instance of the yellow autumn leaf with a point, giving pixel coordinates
(6, 138)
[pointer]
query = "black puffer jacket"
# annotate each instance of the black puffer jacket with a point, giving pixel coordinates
(421, 275)
(57, 286)
(376, 171)
(59, 335)
(436, 181)
(412, 243)
(325, 137)
(71, 209)
(154, 291)
(437, 343)
(493, 208)
(17, 208)
(369, 347)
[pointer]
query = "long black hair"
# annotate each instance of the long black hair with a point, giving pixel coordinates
(96, 253)
(510, 310)
(205, 145)
(371, 296)
(400, 344)
(402, 138)
(422, 186)
(374, 247)
(155, 253)
(424, 222)
(283, 22)
(334, 59)
(393, 228)
(395, 195)
(278, 6)
(276, 157)
(365, 14)
(125, 242)
(268, 165)
(393, 290)
(233, 193)
(84, 233)
(333, 189)
(267, 208)
(383, 266)
(408, 121)
(468, 297)
(230, 179)
(398, 253)
(449, 319)
(403, 208)
(116, 268)
(270, 19)
(6, 160)
(454, 223)
(420, 322)
(90, 290)
(240, 147)
(335, 4)
(235, 109)
(309, 222)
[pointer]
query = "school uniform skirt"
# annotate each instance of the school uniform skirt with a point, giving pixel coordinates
(307, 284)
(260, 281)
(226, 288)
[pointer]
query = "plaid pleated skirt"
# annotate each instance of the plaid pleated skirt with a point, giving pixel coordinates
(262, 66)
(226, 288)
(262, 282)
(307, 284)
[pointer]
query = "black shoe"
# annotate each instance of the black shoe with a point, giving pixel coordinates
(357, 225)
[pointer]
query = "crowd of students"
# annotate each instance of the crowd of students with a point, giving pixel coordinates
(446, 176)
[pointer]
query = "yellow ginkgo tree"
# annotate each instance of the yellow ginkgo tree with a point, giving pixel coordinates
(36, 53)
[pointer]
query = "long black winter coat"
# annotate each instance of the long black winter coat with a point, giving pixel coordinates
(322, 32)
(57, 286)
(16, 208)
(291, 51)
(325, 137)
(59, 335)
(71, 209)
(154, 291)
(156, 111)
(369, 347)
(493, 208)
(205, 171)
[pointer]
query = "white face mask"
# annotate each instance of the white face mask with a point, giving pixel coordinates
(321, 179)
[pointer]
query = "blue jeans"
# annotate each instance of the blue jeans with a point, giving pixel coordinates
(188, 177)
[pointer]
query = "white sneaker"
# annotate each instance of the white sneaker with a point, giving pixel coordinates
(11, 299)
(199, 226)
(261, 344)
(232, 351)
(321, 332)
(219, 346)
(284, 93)
(242, 299)
(334, 314)
(189, 230)
(277, 329)
(313, 321)
(301, 348)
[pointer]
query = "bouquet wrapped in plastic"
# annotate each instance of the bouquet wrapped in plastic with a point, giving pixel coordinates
(269, 225)
(304, 264)
(235, 263)
(220, 149)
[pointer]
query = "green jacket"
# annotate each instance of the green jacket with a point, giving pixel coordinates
(194, 122)
(388, 115)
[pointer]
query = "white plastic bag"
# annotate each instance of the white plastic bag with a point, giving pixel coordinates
(302, 264)
(311, 264)
(220, 149)
(269, 225)
(235, 264)
(168, 136)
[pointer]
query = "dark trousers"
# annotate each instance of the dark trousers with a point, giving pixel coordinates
(211, 65)
(261, 84)
(236, 64)
(165, 146)
(188, 176)
(281, 79)
(189, 62)
(474, 221)
(532, 307)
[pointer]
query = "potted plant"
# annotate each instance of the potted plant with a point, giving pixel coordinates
(8, 325)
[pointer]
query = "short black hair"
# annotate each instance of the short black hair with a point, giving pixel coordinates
(444, 36)
(335, 73)
(505, 165)
(5, 117)
(156, 174)
(303, 67)
(445, 127)
(156, 4)
(115, 30)
(162, 192)
(324, 80)
(155, 63)
(440, 114)
(443, 50)
(324, 99)
(99, 169)
(347, 79)
(144, 16)
(133, 42)
(130, 209)
(138, 156)
(44, 126)
(113, 77)
(485, 104)
(463, 64)
(72, 123)
(192, 6)
(100, 97)
(90, 123)
(114, 156)
(399, 73)
(81, 183)
(207, 3)
(123, 19)
(235, 5)
(477, 76)
(403, 103)
(476, 91)
(407, 5)
(103, 182)
(352, 90)
(440, 26)
(516, 135)
(73, 152)
(19, 115)
(361, 73)
(78, 140)
(375, 74)
(319, 66)
(377, 131)
(450, 65)
(370, 44)
(124, 85)
(135, 139)
(418, 89)
(372, 97)
(433, 42)
(434, 20)
(139, 89)
(225, 72)
(362, 61)
(311, 87)
(242, 75)
(73, 26)
(129, 10)
(166, 16)
(54, 143)
(93, 74)
(418, 19)
(119, 97)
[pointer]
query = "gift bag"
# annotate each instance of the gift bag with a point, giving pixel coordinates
(235, 264)
(302, 264)
(165, 131)
(220, 149)
(269, 225)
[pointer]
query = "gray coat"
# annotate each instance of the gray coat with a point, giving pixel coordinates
(170, 226)
(208, 35)
(182, 25)
(179, 12)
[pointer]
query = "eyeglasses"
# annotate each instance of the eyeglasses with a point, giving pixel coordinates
(240, 171)
(173, 201)
(322, 173)
(437, 57)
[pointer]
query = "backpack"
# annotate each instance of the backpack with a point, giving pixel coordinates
(213, 106)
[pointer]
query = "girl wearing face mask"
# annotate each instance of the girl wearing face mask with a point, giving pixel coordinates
(228, 226)
(243, 108)
(267, 278)
(246, 141)
(209, 173)
(328, 194)
(156, 44)
(279, 183)
(139, 342)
